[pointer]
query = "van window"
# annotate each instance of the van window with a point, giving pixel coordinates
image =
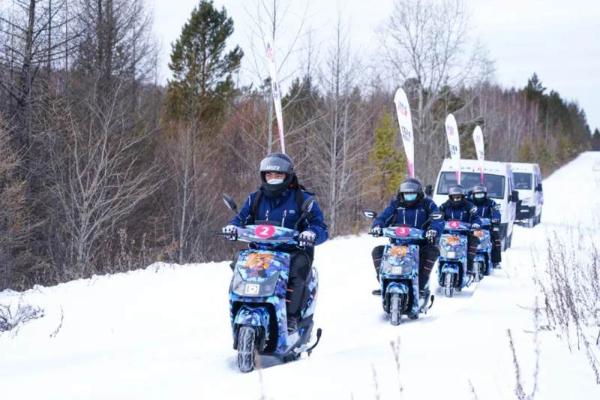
(494, 183)
(523, 180)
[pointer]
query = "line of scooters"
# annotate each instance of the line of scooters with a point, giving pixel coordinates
(399, 271)
(257, 294)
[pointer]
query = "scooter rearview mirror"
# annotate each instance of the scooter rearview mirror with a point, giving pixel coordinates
(229, 202)
(307, 205)
(369, 214)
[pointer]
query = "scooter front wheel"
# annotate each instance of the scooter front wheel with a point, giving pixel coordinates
(477, 271)
(448, 285)
(246, 348)
(395, 309)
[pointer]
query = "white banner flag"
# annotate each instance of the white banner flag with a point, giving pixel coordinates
(276, 94)
(406, 130)
(479, 149)
(453, 143)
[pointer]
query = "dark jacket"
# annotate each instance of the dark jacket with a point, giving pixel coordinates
(283, 211)
(465, 212)
(488, 209)
(416, 216)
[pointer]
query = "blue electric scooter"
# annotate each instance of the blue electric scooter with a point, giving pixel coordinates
(452, 263)
(399, 272)
(482, 263)
(257, 295)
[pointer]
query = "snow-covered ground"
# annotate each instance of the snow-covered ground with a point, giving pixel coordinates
(164, 333)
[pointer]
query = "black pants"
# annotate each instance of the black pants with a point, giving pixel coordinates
(472, 243)
(300, 265)
(428, 254)
(496, 245)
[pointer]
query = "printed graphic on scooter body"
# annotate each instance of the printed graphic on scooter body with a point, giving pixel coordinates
(452, 263)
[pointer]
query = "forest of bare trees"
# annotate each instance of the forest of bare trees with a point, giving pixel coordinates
(103, 169)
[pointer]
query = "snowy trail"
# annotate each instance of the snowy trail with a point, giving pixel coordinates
(164, 332)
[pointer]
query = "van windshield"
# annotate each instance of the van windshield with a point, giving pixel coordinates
(523, 180)
(494, 183)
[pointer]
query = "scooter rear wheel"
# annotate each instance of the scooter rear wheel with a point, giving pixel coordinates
(246, 348)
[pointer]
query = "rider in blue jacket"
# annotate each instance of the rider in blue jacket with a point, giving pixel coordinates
(411, 208)
(278, 202)
(487, 208)
(457, 207)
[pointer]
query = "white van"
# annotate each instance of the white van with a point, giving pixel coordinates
(528, 182)
(498, 179)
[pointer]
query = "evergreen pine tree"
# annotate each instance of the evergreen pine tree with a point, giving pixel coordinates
(202, 71)
(534, 89)
(389, 162)
(596, 140)
(526, 152)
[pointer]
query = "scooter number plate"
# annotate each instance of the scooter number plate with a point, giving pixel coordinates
(251, 288)
(397, 270)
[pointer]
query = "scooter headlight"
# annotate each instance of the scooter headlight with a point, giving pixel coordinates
(451, 254)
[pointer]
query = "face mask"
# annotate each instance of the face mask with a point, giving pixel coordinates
(275, 181)
(479, 195)
(410, 196)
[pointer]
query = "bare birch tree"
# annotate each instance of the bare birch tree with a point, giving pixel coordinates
(427, 45)
(98, 177)
(338, 153)
(272, 21)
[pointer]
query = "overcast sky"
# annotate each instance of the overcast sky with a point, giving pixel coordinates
(560, 40)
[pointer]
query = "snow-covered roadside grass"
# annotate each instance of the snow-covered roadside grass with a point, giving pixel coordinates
(570, 287)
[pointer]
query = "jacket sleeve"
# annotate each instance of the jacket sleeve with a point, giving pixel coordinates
(442, 209)
(316, 223)
(385, 217)
(436, 224)
(242, 216)
(495, 211)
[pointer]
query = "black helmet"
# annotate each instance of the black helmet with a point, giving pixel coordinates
(456, 194)
(276, 162)
(479, 193)
(410, 192)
